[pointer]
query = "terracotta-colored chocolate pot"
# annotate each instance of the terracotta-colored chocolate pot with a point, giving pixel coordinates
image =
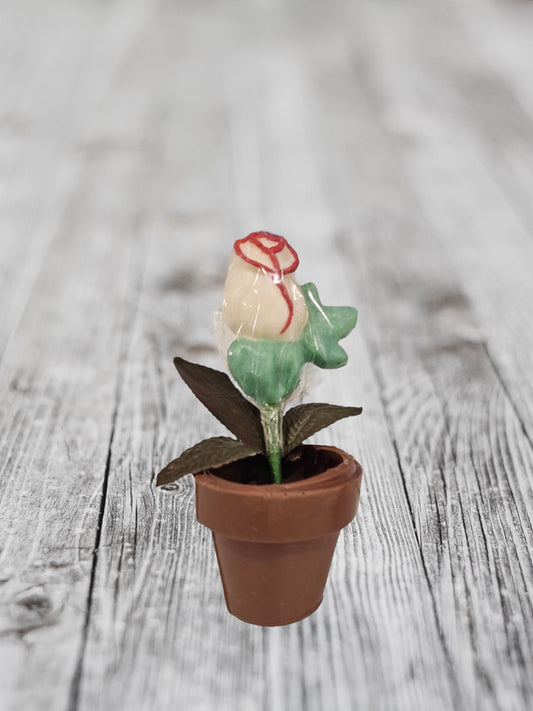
(275, 542)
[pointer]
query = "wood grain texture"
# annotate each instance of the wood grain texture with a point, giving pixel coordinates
(460, 442)
(390, 143)
(65, 332)
(470, 170)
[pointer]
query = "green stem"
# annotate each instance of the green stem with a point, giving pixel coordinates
(272, 421)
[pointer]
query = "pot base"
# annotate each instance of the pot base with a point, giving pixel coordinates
(277, 624)
(273, 584)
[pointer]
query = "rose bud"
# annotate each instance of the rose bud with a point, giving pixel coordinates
(261, 297)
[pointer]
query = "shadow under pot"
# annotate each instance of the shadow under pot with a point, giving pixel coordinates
(275, 542)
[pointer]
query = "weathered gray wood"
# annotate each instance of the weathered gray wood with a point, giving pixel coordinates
(54, 74)
(460, 443)
(139, 140)
(471, 171)
(500, 34)
(68, 216)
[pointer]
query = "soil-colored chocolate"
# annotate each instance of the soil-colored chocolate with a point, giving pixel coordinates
(275, 542)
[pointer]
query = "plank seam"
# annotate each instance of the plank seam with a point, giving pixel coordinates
(447, 656)
(76, 680)
(508, 395)
(129, 326)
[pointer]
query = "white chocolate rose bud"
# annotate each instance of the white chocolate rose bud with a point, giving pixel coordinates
(261, 298)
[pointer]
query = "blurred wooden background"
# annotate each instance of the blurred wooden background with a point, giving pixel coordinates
(392, 143)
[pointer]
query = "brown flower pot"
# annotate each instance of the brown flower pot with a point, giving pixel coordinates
(275, 542)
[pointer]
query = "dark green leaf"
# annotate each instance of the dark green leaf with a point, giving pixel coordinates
(210, 453)
(325, 327)
(268, 371)
(304, 420)
(216, 391)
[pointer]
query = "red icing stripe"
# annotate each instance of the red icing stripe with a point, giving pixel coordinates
(277, 245)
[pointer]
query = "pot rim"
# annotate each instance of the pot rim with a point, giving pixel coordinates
(299, 510)
(335, 476)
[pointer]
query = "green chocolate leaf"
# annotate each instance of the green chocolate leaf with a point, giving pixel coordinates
(304, 420)
(267, 371)
(325, 327)
(216, 391)
(208, 454)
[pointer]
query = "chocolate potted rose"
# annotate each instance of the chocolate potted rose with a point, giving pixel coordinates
(275, 506)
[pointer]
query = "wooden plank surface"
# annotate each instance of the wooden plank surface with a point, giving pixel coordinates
(390, 143)
(449, 410)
